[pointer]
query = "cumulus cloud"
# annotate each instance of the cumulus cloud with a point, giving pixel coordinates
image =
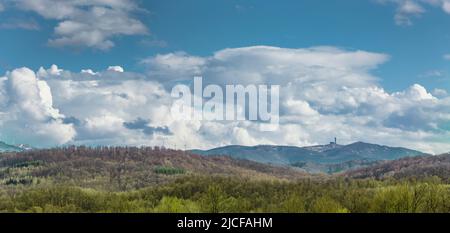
(116, 69)
(103, 106)
(27, 111)
(325, 92)
(91, 24)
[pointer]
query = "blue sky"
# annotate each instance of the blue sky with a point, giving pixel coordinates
(374, 70)
(202, 27)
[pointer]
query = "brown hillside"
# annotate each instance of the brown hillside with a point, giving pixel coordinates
(125, 168)
(412, 167)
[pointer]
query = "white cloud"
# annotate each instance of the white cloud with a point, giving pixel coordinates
(325, 92)
(446, 56)
(416, 92)
(440, 92)
(90, 24)
(17, 23)
(116, 69)
(408, 9)
(174, 66)
(88, 71)
(2, 8)
(28, 114)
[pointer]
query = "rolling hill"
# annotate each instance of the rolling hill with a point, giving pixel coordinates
(412, 167)
(125, 168)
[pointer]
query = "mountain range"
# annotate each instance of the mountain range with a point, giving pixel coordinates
(330, 158)
(320, 158)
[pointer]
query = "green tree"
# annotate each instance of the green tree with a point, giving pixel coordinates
(327, 205)
(294, 203)
(212, 201)
(176, 205)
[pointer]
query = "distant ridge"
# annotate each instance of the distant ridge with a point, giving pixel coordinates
(264, 153)
(9, 148)
(411, 167)
(323, 154)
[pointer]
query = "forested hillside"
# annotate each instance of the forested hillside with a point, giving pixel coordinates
(414, 167)
(218, 194)
(108, 179)
(124, 168)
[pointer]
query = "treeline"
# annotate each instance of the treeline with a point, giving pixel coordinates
(222, 194)
(122, 168)
(120, 154)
